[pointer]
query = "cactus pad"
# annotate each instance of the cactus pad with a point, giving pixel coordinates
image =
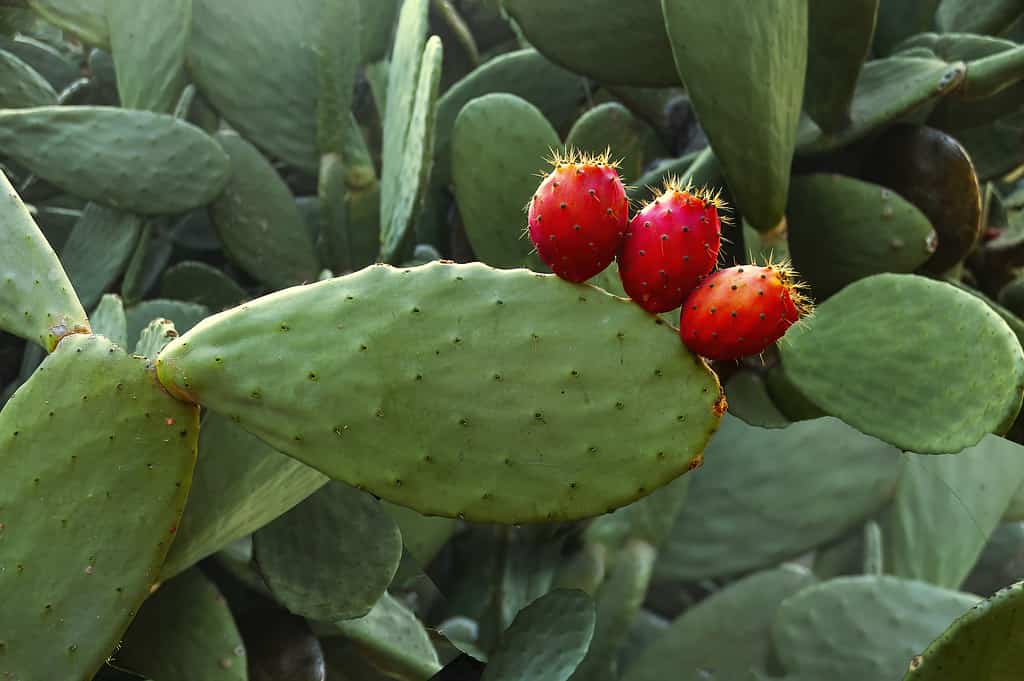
(98, 460)
(747, 507)
(842, 229)
(521, 397)
(946, 507)
(350, 547)
(185, 632)
(728, 632)
(493, 182)
(37, 301)
(987, 643)
(134, 160)
(866, 627)
(21, 86)
(766, 76)
(881, 355)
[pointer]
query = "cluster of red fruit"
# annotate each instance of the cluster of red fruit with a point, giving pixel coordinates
(579, 222)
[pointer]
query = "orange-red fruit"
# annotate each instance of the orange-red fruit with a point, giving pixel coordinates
(578, 217)
(740, 311)
(671, 244)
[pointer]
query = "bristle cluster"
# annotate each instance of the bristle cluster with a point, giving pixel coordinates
(561, 158)
(797, 287)
(706, 195)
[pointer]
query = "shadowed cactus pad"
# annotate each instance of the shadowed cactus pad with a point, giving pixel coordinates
(497, 395)
(87, 511)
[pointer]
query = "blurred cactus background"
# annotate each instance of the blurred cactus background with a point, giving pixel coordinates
(288, 395)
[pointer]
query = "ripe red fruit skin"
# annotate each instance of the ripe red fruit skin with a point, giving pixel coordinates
(578, 216)
(740, 311)
(671, 244)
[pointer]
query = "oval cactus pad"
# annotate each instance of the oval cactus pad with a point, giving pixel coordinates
(459, 390)
(97, 463)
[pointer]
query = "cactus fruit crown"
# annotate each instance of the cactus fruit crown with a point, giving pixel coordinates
(673, 184)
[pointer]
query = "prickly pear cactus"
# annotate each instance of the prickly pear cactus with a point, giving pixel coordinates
(297, 238)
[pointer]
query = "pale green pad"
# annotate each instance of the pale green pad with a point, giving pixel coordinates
(134, 160)
(748, 100)
(883, 356)
(727, 634)
(748, 506)
(547, 639)
(350, 549)
(608, 40)
(148, 41)
(240, 485)
(858, 628)
(500, 395)
(185, 632)
(946, 507)
(37, 301)
(499, 147)
(98, 460)
(842, 229)
(987, 642)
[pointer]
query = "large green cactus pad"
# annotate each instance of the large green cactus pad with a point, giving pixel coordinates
(748, 100)
(865, 627)
(97, 463)
(946, 507)
(240, 485)
(610, 41)
(842, 229)
(748, 506)
(37, 300)
(185, 632)
(135, 160)
(882, 355)
(500, 395)
(494, 181)
(987, 643)
(727, 633)
(99, 249)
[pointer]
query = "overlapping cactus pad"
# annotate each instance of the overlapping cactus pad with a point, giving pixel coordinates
(459, 390)
(97, 463)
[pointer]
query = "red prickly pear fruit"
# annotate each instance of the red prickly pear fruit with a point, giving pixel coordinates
(742, 310)
(671, 244)
(578, 215)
